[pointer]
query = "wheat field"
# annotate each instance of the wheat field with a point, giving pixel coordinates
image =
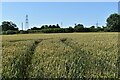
(61, 55)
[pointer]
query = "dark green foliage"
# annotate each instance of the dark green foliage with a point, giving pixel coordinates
(9, 32)
(34, 31)
(8, 26)
(79, 28)
(35, 28)
(46, 27)
(57, 26)
(70, 29)
(86, 30)
(23, 32)
(113, 22)
(92, 28)
(99, 29)
(53, 30)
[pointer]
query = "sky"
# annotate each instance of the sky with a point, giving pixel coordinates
(67, 13)
(59, 0)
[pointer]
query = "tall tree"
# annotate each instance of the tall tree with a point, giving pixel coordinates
(113, 22)
(57, 26)
(45, 26)
(53, 26)
(6, 25)
(42, 27)
(50, 26)
(79, 28)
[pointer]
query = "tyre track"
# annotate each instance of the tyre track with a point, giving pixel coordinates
(84, 56)
(28, 40)
(29, 57)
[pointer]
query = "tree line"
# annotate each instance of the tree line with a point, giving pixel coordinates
(113, 25)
